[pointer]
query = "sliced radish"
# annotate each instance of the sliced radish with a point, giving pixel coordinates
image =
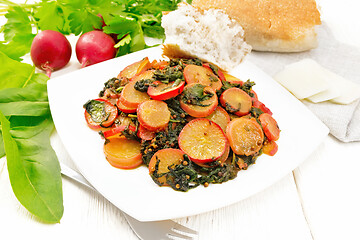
(202, 140)
(163, 91)
(161, 161)
(117, 131)
(159, 64)
(123, 153)
(100, 113)
(270, 148)
(236, 101)
(231, 79)
(130, 97)
(135, 69)
(145, 134)
(245, 136)
(220, 116)
(124, 108)
(270, 126)
(201, 108)
(221, 159)
(153, 115)
(218, 72)
(261, 106)
(202, 75)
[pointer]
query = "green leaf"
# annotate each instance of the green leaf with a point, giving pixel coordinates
(17, 47)
(17, 34)
(125, 40)
(51, 16)
(74, 4)
(18, 23)
(2, 149)
(121, 25)
(138, 41)
(154, 31)
(33, 168)
(14, 74)
(83, 21)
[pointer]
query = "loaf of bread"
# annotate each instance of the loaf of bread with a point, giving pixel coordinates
(209, 35)
(272, 25)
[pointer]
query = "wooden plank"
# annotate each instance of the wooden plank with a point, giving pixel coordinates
(328, 184)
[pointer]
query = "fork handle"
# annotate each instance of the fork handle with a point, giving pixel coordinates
(69, 172)
(74, 175)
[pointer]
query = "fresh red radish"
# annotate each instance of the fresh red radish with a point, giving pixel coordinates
(94, 47)
(50, 51)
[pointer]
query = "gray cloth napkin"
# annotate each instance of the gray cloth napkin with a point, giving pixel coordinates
(342, 59)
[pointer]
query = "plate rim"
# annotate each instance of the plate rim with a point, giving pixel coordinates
(52, 84)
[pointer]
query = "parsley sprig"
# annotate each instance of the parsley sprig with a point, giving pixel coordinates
(128, 20)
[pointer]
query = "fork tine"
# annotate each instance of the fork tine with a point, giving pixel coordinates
(184, 229)
(182, 236)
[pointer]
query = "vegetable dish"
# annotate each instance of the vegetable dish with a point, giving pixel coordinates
(188, 121)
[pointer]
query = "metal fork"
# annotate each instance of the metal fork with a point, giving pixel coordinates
(156, 230)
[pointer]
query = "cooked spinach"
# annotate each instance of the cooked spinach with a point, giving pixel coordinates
(163, 139)
(247, 87)
(114, 85)
(169, 74)
(177, 113)
(96, 109)
(183, 62)
(195, 95)
(188, 175)
(143, 84)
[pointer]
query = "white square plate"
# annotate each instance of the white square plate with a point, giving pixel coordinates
(133, 191)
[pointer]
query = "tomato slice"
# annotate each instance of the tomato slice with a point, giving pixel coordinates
(202, 75)
(100, 113)
(270, 126)
(163, 91)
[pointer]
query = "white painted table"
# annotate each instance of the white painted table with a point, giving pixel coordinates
(319, 200)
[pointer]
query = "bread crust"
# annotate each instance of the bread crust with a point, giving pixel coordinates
(272, 25)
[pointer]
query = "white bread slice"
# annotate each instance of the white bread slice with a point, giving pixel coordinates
(272, 25)
(209, 35)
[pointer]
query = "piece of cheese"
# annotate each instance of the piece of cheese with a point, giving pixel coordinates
(307, 79)
(349, 91)
(303, 79)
